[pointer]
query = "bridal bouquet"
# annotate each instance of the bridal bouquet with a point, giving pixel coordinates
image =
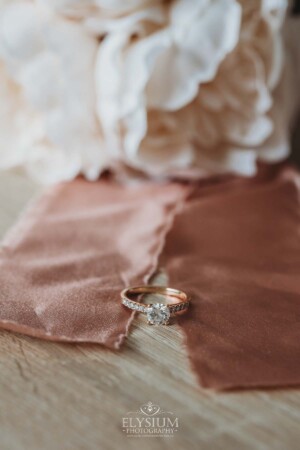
(163, 86)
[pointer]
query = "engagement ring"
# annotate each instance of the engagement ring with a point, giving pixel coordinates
(157, 313)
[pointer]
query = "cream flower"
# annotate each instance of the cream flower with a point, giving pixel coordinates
(177, 86)
(142, 73)
(50, 62)
(198, 91)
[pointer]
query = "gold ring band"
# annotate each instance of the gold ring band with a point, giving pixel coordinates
(157, 313)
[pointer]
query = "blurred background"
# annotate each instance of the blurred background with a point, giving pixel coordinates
(295, 157)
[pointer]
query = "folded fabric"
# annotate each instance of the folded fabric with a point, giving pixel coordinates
(232, 243)
(236, 248)
(62, 267)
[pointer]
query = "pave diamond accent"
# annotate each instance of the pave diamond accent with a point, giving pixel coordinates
(158, 314)
(134, 305)
(178, 307)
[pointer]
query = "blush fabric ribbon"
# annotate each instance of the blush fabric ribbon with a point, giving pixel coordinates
(232, 243)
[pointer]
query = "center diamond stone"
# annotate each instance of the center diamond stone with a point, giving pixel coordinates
(158, 314)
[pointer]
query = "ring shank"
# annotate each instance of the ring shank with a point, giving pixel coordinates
(169, 292)
(180, 305)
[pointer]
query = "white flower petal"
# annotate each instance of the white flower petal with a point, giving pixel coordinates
(20, 31)
(228, 160)
(194, 54)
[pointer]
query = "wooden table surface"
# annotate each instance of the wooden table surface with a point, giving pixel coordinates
(64, 396)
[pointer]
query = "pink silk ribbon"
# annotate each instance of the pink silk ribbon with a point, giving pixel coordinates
(236, 249)
(230, 242)
(64, 264)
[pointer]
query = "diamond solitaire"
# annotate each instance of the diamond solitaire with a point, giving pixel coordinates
(157, 313)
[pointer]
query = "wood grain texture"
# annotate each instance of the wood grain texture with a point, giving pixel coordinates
(62, 396)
